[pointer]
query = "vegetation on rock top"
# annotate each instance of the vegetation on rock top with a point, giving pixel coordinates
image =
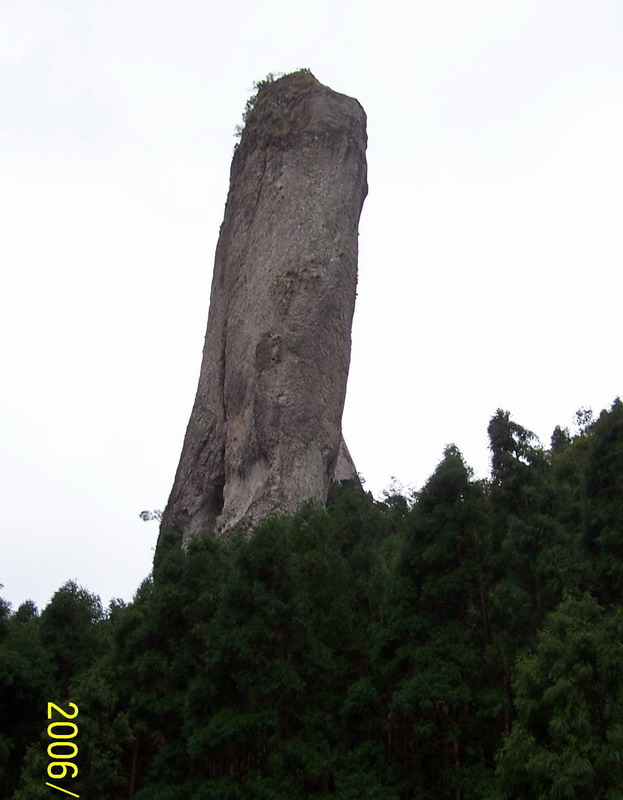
(258, 86)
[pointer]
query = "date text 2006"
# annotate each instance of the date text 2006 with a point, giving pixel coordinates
(63, 748)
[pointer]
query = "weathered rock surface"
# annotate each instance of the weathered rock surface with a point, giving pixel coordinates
(265, 430)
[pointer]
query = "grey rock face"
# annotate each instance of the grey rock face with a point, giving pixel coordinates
(265, 431)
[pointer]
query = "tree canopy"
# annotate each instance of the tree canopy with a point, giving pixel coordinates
(463, 642)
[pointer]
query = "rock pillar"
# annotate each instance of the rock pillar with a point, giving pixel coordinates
(265, 430)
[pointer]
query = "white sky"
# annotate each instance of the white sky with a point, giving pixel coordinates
(490, 241)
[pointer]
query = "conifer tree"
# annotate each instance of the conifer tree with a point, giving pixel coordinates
(435, 640)
(567, 741)
(604, 503)
(26, 685)
(71, 632)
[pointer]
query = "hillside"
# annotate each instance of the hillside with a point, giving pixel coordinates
(464, 643)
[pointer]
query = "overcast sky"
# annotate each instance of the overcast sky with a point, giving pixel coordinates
(490, 241)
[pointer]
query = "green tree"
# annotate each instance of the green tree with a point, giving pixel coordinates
(264, 709)
(5, 616)
(604, 502)
(567, 741)
(71, 631)
(26, 684)
(158, 642)
(533, 548)
(432, 653)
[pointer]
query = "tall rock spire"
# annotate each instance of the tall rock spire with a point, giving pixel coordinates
(265, 430)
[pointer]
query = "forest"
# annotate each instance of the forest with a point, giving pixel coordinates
(462, 642)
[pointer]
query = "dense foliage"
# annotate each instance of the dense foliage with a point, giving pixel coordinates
(463, 643)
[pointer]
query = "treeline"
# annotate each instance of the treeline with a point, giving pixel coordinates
(465, 643)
